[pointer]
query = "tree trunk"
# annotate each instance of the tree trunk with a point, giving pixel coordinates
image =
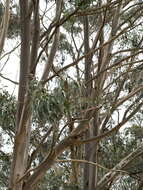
(22, 135)
(88, 170)
(93, 170)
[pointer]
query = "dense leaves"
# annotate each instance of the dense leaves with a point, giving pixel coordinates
(7, 111)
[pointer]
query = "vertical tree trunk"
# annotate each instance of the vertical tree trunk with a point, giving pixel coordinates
(88, 153)
(93, 170)
(20, 153)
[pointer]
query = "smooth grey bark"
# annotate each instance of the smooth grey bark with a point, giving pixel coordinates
(87, 173)
(93, 170)
(20, 153)
(35, 38)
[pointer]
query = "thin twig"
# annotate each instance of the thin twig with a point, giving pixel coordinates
(92, 163)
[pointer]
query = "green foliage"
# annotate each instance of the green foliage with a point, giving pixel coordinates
(4, 169)
(65, 46)
(14, 26)
(136, 133)
(50, 107)
(131, 39)
(7, 111)
(56, 178)
(47, 106)
(7, 129)
(115, 148)
(125, 183)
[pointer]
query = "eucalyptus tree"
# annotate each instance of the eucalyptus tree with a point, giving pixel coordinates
(98, 92)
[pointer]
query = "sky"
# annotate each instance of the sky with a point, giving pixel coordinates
(9, 66)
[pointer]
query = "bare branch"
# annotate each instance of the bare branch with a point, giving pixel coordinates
(14, 82)
(53, 50)
(89, 162)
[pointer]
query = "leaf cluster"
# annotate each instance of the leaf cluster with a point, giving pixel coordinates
(7, 111)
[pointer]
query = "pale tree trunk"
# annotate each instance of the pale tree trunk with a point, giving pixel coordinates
(91, 150)
(35, 38)
(28, 64)
(4, 25)
(93, 170)
(88, 89)
(94, 93)
(20, 153)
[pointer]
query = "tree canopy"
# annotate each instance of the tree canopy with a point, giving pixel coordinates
(76, 121)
